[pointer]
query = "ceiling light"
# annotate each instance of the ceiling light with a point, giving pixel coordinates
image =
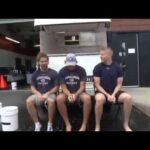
(37, 45)
(10, 39)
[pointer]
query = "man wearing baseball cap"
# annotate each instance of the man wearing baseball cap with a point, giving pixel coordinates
(72, 79)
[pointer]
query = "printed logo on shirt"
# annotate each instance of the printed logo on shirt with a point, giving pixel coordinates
(43, 77)
(43, 80)
(72, 80)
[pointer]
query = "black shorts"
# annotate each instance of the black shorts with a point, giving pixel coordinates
(117, 96)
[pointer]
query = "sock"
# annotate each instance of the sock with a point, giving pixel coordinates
(37, 124)
(49, 124)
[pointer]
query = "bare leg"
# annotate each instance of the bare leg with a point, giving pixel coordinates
(100, 100)
(61, 100)
(127, 107)
(51, 109)
(86, 99)
(32, 109)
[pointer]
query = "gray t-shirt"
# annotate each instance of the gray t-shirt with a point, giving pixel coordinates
(73, 78)
(44, 81)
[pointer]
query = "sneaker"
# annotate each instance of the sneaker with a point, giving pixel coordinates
(49, 128)
(38, 127)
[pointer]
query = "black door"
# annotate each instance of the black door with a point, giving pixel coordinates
(144, 55)
(125, 52)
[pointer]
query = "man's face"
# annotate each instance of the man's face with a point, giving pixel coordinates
(43, 63)
(71, 68)
(105, 56)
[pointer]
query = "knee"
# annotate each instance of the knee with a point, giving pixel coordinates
(86, 100)
(29, 101)
(127, 98)
(99, 99)
(60, 99)
(50, 101)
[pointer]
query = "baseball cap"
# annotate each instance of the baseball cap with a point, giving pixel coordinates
(70, 60)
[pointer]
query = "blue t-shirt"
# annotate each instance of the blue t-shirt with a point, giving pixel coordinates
(44, 81)
(108, 75)
(73, 78)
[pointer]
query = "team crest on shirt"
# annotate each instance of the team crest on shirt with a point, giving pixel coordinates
(43, 81)
(71, 80)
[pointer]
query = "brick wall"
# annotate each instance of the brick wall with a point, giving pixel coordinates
(123, 25)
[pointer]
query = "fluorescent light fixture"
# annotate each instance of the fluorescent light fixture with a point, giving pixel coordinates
(38, 45)
(10, 39)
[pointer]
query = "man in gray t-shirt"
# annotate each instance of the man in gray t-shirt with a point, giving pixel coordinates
(44, 86)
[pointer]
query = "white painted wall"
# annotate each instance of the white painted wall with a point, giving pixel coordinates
(88, 62)
(7, 59)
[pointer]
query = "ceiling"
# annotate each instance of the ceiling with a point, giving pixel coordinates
(88, 27)
(22, 30)
(73, 25)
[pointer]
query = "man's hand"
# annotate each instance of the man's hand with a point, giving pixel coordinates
(45, 96)
(111, 98)
(72, 98)
(40, 97)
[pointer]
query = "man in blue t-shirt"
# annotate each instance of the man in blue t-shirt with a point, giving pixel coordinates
(44, 86)
(108, 79)
(72, 79)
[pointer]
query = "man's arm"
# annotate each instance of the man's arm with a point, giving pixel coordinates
(81, 89)
(99, 88)
(53, 90)
(34, 90)
(118, 86)
(65, 90)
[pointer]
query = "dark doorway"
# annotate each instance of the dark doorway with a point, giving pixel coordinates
(126, 53)
(28, 65)
(144, 55)
(18, 63)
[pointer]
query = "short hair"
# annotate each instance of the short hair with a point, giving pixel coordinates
(106, 48)
(40, 55)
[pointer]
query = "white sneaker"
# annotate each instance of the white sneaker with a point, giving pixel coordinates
(38, 127)
(49, 128)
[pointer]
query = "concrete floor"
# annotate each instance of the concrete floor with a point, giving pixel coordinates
(141, 98)
(139, 121)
